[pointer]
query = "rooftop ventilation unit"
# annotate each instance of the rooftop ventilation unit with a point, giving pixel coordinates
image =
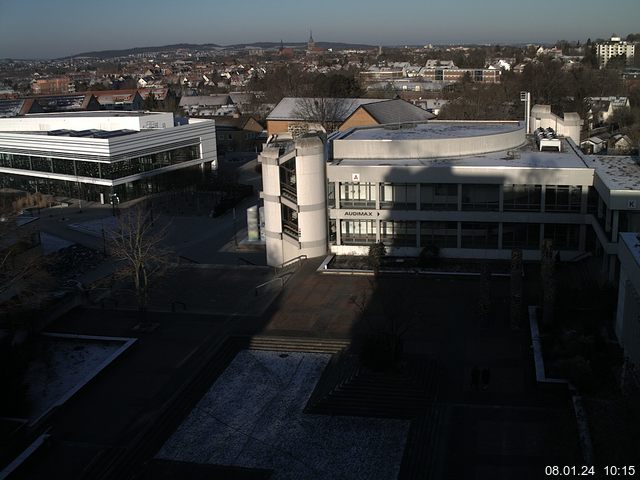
(547, 140)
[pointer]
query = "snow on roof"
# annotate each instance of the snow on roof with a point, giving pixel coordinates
(286, 108)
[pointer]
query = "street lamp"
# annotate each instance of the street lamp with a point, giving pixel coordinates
(526, 98)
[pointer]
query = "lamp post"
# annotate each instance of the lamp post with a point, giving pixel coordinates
(526, 98)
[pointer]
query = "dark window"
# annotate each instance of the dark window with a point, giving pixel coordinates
(563, 198)
(481, 197)
(479, 235)
(564, 236)
(522, 198)
(398, 196)
(439, 196)
(521, 235)
(398, 233)
(440, 234)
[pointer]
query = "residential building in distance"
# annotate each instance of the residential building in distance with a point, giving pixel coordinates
(387, 112)
(52, 86)
(99, 155)
(238, 133)
(289, 112)
(119, 99)
(601, 109)
(614, 47)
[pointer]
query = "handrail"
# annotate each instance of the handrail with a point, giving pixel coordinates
(280, 279)
(291, 261)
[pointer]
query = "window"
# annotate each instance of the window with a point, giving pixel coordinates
(399, 196)
(288, 179)
(479, 235)
(358, 232)
(521, 235)
(439, 196)
(332, 232)
(522, 198)
(440, 234)
(357, 195)
(563, 198)
(331, 195)
(564, 236)
(481, 197)
(398, 233)
(290, 222)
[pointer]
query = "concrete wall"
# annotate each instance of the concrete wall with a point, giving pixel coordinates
(569, 126)
(428, 148)
(627, 326)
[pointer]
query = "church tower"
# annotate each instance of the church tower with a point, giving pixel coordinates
(311, 45)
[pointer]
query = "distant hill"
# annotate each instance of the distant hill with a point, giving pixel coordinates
(138, 50)
(212, 46)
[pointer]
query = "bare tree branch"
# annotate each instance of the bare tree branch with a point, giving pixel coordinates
(139, 244)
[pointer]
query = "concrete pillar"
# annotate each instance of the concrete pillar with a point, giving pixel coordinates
(312, 196)
(459, 198)
(614, 225)
(272, 206)
(543, 198)
(584, 200)
(500, 235)
(501, 199)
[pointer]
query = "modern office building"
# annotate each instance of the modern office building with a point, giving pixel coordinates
(97, 155)
(473, 189)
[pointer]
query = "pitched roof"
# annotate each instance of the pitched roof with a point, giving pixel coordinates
(397, 111)
(205, 100)
(287, 108)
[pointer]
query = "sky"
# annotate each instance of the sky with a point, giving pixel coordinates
(56, 28)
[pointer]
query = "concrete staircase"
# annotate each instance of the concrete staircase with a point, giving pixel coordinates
(352, 390)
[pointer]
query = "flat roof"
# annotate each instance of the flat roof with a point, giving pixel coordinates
(430, 130)
(96, 113)
(617, 172)
(527, 156)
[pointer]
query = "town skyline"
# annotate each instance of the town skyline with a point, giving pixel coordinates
(69, 27)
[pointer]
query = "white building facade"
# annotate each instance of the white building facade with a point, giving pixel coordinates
(473, 189)
(94, 155)
(614, 47)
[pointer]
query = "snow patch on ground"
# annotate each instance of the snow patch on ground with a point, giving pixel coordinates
(59, 365)
(252, 417)
(51, 243)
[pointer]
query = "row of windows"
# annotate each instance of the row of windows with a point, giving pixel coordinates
(443, 197)
(483, 235)
(180, 179)
(108, 171)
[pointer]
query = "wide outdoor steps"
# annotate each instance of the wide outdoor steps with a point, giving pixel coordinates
(293, 344)
(422, 455)
(347, 389)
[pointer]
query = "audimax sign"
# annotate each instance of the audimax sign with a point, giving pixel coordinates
(360, 213)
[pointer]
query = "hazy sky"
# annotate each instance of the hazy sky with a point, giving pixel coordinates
(54, 28)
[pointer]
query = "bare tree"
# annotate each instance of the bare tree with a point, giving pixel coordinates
(326, 112)
(139, 244)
